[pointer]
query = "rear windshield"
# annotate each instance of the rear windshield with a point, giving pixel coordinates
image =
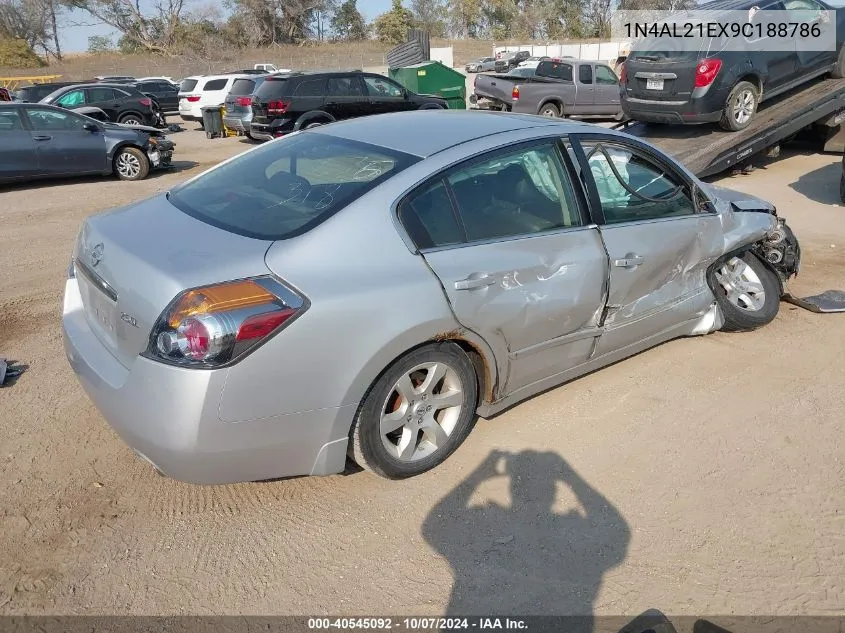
(187, 85)
(242, 87)
(272, 87)
(287, 187)
(672, 49)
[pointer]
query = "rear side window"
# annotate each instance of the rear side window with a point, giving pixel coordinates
(429, 217)
(10, 120)
(310, 88)
(98, 95)
(272, 88)
(243, 87)
(215, 84)
(555, 70)
(287, 187)
(345, 87)
(187, 85)
(585, 74)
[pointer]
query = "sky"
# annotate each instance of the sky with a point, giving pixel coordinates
(75, 36)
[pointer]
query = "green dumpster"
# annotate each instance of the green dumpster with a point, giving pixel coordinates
(434, 78)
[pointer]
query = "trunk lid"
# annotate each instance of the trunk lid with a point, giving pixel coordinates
(239, 99)
(133, 261)
(272, 89)
(664, 75)
(498, 87)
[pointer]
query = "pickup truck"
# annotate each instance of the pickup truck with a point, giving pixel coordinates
(559, 87)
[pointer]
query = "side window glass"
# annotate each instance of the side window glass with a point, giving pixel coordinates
(524, 192)
(215, 84)
(10, 121)
(310, 88)
(98, 95)
(72, 99)
(585, 74)
(429, 218)
(605, 76)
(380, 87)
(632, 187)
(52, 121)
(344, 87)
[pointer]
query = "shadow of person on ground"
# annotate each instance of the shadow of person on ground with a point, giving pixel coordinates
(528, 557)
(821, 185)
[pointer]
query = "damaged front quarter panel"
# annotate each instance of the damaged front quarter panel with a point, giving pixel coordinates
(749, 222)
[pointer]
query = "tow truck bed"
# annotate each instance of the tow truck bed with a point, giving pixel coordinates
(707, 150)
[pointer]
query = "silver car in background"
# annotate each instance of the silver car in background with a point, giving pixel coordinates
(238, 103)
(367, 288)
(484, 64)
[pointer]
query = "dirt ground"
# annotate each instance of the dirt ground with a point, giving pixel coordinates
(701, 477)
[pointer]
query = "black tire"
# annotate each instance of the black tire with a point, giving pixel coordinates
(838, 71)
(738, 319)
(313, 124)
(365, 441)
(549, 110)
(142, 162)
(728, 120)
(126, 118)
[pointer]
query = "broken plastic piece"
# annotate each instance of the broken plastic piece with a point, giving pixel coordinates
(7, 370)
(828, 301)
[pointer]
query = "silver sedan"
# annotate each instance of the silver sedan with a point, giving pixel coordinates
(368, 288)
(484, 64)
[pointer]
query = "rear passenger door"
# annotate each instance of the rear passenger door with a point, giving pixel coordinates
(104, 98)
(506, 236)
(660, 240)
(346, 97)
(779, 67)
(585, 97)
(18, 158)
(309, 95)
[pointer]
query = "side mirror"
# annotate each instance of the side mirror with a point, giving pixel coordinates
(90, 127)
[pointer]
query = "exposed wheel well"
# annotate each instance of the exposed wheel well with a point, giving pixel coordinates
(123, 146)
(554, 101)
(753, 79)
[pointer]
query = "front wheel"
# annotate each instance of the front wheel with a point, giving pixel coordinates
(747, 292)
(741, 107)
(838, 71)
(131, 164)
(417, 413)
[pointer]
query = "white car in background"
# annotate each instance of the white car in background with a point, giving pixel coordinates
(169, 80)
(532, 62)
(200, 91)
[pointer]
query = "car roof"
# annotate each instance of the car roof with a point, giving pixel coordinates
(405, 131)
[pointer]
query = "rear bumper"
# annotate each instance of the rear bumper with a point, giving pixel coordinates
(269, 131)
(190, 118)
(693, 111)
(236, 123)
(170, 416)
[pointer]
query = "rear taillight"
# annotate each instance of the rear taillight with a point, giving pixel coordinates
(706, 72)
(146, 102)
(193, 99)
(277, 107)
(243, 101)
(215, 325)
(515, 93)
(623, 73)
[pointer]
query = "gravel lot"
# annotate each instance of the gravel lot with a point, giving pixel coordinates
(701, 477)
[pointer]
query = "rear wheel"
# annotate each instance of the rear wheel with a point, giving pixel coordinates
(549, 110)
(741, 107)
(131, 164)
(417, 413)
(308, 126)
(748, 293)
(130, 119)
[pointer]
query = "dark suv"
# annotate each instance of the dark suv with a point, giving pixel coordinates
(713, 82)
(292, 101)
(121, 102)
(34, 94)
(511, 60)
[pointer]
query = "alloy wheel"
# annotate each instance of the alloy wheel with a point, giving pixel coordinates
(743, 106)
(421, 411)
(742, 285)
(128, 165)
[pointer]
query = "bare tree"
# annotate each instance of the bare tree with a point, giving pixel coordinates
(153, 32)
(33, 21)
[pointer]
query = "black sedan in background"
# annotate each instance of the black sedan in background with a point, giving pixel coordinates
(162, 91)
(43, 141)
(122, 103)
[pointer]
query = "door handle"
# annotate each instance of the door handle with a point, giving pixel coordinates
(475, 282)
(41, 138)
(629, 261)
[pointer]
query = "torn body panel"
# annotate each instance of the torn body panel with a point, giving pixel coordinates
(536, 301)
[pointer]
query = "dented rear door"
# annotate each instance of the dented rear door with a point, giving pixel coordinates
(531, 285)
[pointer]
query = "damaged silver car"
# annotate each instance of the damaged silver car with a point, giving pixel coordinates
(367, 288)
